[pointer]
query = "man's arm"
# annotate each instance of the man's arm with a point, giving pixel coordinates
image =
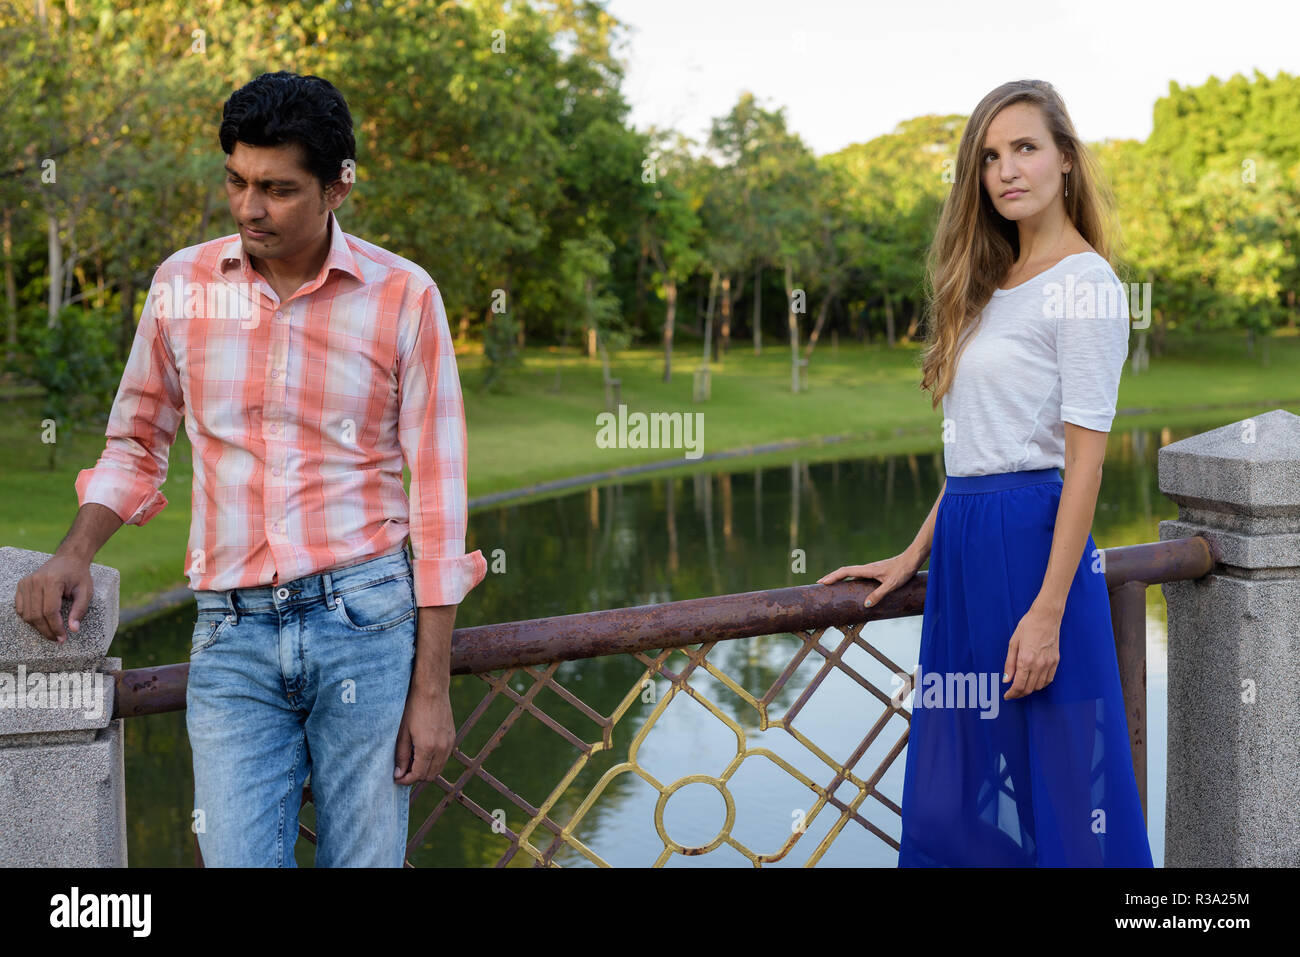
(123, 487)
(431, 430)
(146, 415)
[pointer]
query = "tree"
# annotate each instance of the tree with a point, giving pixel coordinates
(670, 226)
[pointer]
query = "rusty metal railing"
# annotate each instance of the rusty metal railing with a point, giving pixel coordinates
(651, 634)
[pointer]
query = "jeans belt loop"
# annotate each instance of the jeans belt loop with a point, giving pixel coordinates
(327, 588)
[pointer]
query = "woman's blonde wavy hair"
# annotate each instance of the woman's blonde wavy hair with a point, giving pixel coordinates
(974, 245)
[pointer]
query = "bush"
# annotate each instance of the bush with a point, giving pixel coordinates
(500, 339)
(73, 360)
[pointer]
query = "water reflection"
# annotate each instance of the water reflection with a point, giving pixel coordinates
(666, 540)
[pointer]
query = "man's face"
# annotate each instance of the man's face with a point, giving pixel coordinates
(277, 203)
(1019, 154)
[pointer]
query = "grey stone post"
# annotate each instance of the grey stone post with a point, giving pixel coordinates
(62, 794)
(1234, 647)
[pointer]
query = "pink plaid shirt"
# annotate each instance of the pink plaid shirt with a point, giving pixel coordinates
(300, 414)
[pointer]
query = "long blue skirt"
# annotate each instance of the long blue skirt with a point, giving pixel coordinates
(1045, 780)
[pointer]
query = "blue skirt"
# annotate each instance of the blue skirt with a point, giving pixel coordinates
(1045, 780)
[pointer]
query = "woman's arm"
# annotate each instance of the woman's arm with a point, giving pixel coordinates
(896, 570)
(1085, 449)
(920, 546)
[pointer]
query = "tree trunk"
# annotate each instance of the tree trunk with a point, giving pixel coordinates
(910, 335)
(670, 297)
(11, 289)
(1138, 354)
(591, 325)
(726, 316)
(608, 379)
(793, 322)
(758, 308)
(55, 256)
(822, 312)
(708, 319)
(701, 389)
(889, 320)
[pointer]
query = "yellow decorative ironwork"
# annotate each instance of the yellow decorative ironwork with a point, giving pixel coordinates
(541, 837)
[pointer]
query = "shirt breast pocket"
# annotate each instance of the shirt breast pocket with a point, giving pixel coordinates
(213, 375)
(355, 400)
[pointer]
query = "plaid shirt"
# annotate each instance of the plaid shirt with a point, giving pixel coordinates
(300, 415)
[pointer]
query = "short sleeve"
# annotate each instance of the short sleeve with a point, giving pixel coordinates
(1091, 346)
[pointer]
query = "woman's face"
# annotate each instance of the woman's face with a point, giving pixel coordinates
(1018, 154)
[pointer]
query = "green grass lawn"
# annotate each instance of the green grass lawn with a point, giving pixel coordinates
(531, 434)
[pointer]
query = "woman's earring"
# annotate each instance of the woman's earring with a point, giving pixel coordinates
(1067, 184)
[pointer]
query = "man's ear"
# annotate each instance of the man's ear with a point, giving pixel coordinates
(336, 192)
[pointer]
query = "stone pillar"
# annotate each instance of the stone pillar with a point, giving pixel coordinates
(62, 794)
(1234, 647)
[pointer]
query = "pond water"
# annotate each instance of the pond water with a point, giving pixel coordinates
(658, 540)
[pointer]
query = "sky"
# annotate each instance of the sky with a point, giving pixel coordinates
(850, 71)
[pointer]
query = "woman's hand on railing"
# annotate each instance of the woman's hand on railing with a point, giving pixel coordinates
(890, 572)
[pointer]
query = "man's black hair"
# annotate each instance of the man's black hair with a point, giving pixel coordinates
(285, 107)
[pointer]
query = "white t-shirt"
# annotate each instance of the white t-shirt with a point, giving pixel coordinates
(1046, 352)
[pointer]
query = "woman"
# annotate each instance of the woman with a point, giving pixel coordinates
(1028, 334)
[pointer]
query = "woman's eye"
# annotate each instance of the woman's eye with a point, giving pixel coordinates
(1023, 146)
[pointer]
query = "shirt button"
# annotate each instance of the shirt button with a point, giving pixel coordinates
(279, 315)
(275, 471)
(274, 428)
(275, 373)
(275, 527)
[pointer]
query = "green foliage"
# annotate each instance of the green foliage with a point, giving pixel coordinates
(584, 272)
(500, 350)
(73, 360)
(495, 149)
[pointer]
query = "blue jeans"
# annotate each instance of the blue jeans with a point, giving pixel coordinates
(306, 677)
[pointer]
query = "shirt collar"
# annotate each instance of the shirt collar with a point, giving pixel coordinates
(339, 257)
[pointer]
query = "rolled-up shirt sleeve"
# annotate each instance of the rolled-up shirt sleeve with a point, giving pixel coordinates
(432, 433)
(1091, 346)
(142, 425)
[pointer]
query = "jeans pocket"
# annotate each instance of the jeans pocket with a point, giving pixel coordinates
(377, 606)
(208, 628)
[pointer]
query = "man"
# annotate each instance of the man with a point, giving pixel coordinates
(311, 364)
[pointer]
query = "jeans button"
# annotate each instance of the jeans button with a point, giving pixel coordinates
(282, 593)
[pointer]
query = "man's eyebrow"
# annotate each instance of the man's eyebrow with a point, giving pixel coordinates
(1018, 141)
(264, 182)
